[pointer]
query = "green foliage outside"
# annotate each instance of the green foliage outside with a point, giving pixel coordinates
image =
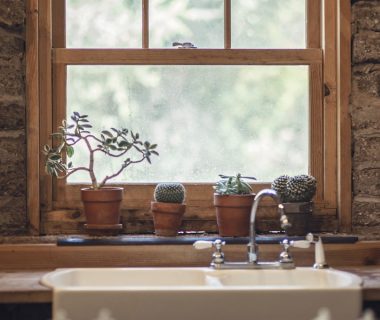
(206, 119)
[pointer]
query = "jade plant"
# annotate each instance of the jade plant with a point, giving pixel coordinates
(230, 185)
(114, 143)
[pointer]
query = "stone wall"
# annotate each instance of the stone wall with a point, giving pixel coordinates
(365, 104)
(365, 111)
(12, 117)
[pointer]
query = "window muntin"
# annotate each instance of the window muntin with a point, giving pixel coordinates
(206, 120)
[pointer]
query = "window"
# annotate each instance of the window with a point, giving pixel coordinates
(271, 68)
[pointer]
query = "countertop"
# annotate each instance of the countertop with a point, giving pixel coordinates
(24, 287)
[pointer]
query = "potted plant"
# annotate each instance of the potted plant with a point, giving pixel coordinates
(233, 199)
(296, 194)
(168, 208)
(101, 203)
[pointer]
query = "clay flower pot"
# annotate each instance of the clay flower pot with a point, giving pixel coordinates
(167, 217)
(102, 209)
(233, 213)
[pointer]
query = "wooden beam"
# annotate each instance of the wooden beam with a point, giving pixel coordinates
(313, 23)
(145, 24)
(187, 56)
(45, 88)
(316, 149)
(50, 256)
(344, 119)
(32, 116)
(227, 24)
(330, 100)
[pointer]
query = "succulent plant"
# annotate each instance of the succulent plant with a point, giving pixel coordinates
(169, 192)
(233, 185)
(300, 188)
(113, 143)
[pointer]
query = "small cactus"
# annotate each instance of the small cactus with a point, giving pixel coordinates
(233, 185)
(169, 192)
(299, 188)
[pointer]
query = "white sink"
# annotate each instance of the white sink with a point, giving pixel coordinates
(202, 293)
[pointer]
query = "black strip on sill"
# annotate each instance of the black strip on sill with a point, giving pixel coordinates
(184, 240)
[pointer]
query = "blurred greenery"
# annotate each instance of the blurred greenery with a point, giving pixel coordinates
(206, 120)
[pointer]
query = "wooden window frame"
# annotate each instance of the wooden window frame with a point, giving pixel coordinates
(55, 208)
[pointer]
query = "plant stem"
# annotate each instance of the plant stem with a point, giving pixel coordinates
(120, 171)
(73, 170)
(91, 164)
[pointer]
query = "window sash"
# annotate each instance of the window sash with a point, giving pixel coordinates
(60, 201)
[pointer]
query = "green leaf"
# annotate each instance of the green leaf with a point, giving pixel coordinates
(124, 143)
(154, 152)
(55, 157)
(76, 113)
(153, 146)
(69, 151)
(112, 147)
(70, 165)
(86, 125)
(107, 133)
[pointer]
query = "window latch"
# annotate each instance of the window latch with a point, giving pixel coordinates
(184, 45)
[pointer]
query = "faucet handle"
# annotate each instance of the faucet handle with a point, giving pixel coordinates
(304, 244)
(202, 244)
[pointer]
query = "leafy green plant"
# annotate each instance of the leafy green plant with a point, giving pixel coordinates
(113, 143)
(233, 185)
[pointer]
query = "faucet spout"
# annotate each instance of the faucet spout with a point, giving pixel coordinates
(252, 245)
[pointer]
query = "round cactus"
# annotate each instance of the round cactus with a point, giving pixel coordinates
(169, 192)
(299, 188)
(280, 186)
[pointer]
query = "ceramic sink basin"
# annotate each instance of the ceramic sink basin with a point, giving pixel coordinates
(202, 293)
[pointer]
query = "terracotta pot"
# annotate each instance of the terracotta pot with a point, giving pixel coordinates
(167, 217)
(299, 216)
(233, 213)
(102, 208)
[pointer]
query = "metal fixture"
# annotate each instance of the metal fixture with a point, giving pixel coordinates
(285, 260)
(320, 260)
(184, 45)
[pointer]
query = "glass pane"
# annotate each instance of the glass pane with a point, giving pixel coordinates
(268, 24)
(206, 120)
(103, 23)
(199, 22)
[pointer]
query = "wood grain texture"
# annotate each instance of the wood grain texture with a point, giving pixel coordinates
(23, 287)
(330, 113)
(50, 256)
(145, 24)
(187, 57)
(45, 93)
(344, 118)
(227, 24)
(32, 116)
(313, 23)
(59, 23)
(316, 149)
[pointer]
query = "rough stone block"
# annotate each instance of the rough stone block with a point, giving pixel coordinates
(366, 213)
(366, 47)
(366, 80)
(12, 13)
(13, 218)
(11, 77)
(366, 16)
(366, 148)
(11, 45)
(367, 181)
(12, 114)
(12, 146)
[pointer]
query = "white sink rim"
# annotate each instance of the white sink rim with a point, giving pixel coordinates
(352, 282)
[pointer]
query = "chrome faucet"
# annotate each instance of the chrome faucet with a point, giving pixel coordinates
(285, 260)
(252, 245)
